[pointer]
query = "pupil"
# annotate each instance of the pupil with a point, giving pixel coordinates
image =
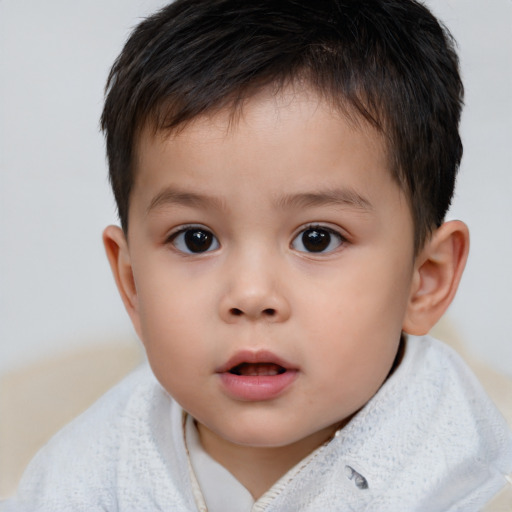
(198, 241)
(315, 240)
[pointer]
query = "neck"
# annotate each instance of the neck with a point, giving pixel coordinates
(258, 468)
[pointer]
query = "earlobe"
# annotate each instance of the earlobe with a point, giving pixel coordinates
(437, 273)
(116, 247)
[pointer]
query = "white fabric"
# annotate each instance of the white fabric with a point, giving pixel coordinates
(430, 440)
(222, 492)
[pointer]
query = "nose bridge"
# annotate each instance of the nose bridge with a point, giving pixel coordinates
(254, 288)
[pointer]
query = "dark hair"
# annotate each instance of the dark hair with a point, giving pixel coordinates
(389, 62)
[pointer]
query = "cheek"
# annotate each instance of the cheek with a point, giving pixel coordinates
(356, 319)
(170, 309)
(177, 354)
(365, 297)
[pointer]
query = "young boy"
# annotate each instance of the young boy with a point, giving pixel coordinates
(282, 171)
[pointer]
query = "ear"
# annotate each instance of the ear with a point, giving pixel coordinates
(118, 254)
(437, 273)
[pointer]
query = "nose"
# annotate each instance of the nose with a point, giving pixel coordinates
(254, 292)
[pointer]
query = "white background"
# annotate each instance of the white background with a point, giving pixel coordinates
(56, 292)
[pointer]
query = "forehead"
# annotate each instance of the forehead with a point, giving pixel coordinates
(263, 112)
(292, 141)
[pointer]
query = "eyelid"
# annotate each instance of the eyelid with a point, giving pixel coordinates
(323, 227)
(182, 229)
(326, 226)
(185, 227)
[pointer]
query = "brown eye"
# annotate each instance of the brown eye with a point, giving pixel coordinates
(195, 241)
(317, 240)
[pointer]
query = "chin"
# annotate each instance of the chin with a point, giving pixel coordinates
(264, 435)
(256, 434)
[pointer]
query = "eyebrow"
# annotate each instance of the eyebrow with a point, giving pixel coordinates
(345, 197)
(175, 196)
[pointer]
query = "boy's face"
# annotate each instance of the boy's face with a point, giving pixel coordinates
(272, 262)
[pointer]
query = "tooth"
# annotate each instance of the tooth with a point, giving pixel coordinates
(256, 369)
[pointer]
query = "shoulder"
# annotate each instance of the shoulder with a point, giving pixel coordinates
(443, 429)
(81, 466)
(450, 402)
(430, 440)
(451, 388)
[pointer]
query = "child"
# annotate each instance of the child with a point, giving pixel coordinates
(282, 171)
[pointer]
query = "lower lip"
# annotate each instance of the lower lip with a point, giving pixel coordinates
(257, 388)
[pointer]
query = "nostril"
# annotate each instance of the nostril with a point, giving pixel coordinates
(265, 312)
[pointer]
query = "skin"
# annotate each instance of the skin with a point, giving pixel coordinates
(335, 316)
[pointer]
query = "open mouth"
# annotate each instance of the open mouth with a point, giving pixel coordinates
(257, 369)
(256, 377)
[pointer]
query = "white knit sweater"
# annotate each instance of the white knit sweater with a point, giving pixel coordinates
(430, 440)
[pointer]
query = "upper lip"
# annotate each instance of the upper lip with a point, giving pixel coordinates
(254, 357)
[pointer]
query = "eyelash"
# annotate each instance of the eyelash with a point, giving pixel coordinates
(320, 242)
(208, 238)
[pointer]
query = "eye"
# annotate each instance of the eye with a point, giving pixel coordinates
(194, 240)
(317, 239)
